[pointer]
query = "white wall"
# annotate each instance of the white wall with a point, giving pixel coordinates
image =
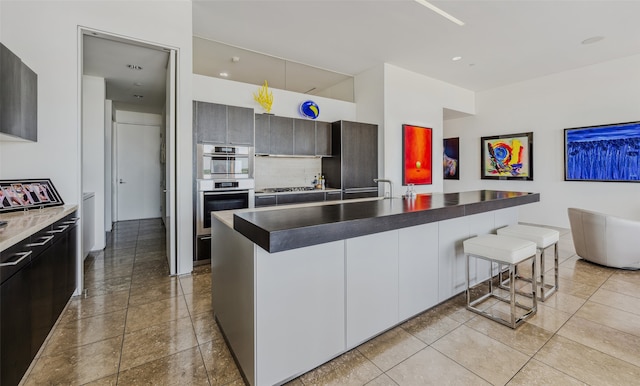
(369, 96)
(108, 131)
(54, 56)
(93, 154)
(285, 103)
(598, 94)
(408, 98)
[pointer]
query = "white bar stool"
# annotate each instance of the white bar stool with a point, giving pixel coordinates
(502, 250)
(544, 238)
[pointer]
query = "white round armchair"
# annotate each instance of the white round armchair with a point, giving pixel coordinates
(604, 239)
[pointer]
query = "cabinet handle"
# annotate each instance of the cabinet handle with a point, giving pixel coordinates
(73, 220)
(264, 197)
(205, 238)
(23, 255)
(46, 240)
(59, 230)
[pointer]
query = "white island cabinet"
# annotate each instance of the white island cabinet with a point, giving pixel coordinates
(285, 308)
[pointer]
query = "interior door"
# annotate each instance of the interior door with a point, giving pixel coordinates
(138, 172)
(170, 165)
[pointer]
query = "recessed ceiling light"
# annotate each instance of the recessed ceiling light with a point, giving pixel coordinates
(235, 59)
(456, 58)
(134, 67)
(224, 74)
(440, 12)
(137, 84)
(592, 40)
(138, 96)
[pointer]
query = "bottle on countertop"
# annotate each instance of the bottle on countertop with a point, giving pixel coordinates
(322, 182)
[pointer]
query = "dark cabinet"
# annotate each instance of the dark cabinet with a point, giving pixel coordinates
(29, 104)
(359, 155)
(34, 293)
(18, 97)
(304, 137)
(263, 135)
(333, 196)
(227, 125)
(288, 136)
(280, 135)
(15, 321)
(323, 138)
(265, 201)
(294, 198)
(354, 163)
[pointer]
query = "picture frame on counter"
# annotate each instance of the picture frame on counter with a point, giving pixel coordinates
(507, 157)
(28, 194)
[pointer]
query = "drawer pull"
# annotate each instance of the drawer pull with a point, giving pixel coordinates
(59, 230)
(46, 240)
(72, 220)
(23, 255)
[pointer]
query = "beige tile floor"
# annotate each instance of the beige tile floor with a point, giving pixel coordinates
(137, 325)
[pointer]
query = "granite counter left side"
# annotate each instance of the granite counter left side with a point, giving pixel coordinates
(25, 223)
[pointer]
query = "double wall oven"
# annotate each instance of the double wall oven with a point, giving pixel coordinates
(224, 182)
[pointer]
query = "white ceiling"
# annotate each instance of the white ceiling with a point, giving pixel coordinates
(502, 42)
(107, 58)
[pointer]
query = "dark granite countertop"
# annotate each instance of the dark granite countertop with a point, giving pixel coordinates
(283, 229)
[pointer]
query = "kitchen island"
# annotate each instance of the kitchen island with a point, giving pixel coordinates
(295, 287)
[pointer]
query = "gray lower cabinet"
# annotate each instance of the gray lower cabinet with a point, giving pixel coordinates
(265, 201)
(333, 196)
(296, 198)
(18, 97)
(226, 125)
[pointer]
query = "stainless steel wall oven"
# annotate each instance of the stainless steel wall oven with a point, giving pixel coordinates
(216, 195)
(224, 162)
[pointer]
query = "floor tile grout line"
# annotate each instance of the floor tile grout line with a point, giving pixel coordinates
(126, 317)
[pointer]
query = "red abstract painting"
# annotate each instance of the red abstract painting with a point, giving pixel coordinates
(417, 154)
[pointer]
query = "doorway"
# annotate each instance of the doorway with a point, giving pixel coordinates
(138, 78)
(138, 172)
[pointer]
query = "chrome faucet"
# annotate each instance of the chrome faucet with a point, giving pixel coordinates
(376, 180)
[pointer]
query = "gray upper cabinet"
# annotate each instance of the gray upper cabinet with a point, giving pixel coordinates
(281, 135)
(263, 135)
(323, 138)
(228, 125)
(291, 136)
(239, 126)
(210, 122)
(304, 137)
(18, 97)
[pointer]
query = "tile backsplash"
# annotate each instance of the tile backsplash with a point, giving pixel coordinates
(282, 172)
